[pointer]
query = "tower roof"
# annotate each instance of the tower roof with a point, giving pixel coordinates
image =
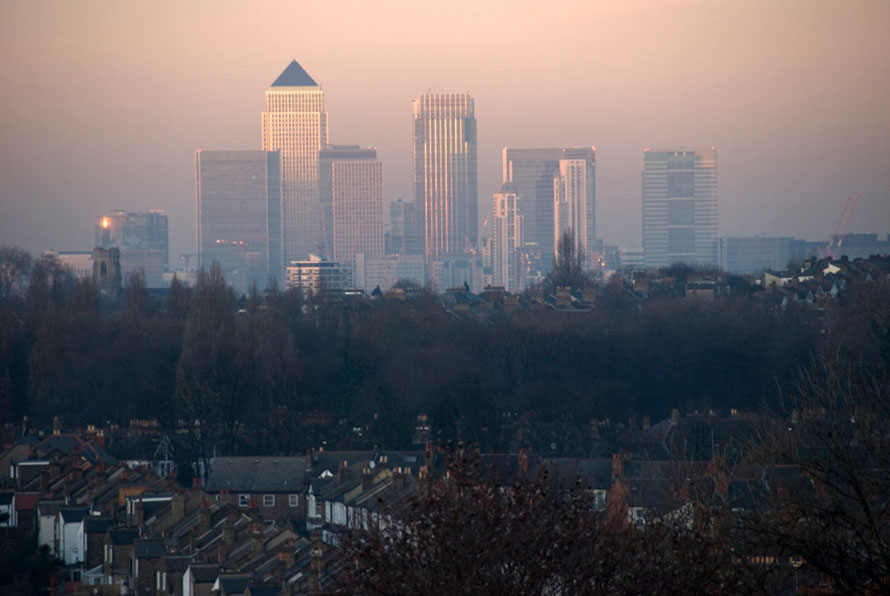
(294, 76)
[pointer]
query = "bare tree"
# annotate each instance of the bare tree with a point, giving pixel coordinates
(568, 266)
(15, 264)
(826, 477)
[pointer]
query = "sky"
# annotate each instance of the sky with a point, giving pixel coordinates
(103, 104)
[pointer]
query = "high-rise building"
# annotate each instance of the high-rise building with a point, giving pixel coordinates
(296, 125)
(506, 245)
(680, 206)
(238, 214)
(351, 191)
(574, 202)
(445, 171)
(402, 236)
(142, 240)
(532, 173)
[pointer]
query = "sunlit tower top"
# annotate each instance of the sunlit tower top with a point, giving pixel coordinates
(445, 173)
(296, 125)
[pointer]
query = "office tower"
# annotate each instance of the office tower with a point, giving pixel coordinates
(680, 206)
(445, 174)
(142, 240)
(402, 236)
(574, 202)
(238, 213)
(350, 181)
(532, 173)
(506, 247)
(296, 125)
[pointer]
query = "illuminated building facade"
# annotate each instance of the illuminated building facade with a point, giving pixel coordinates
(506, 244)
(574, 202)
(296, 125)
(445, 174)
(680, 206)
(141, 238)
(351, 183)
(238, 214)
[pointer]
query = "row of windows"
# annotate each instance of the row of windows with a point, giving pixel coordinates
(269, 500)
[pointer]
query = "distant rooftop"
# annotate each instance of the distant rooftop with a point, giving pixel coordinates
(294, 76)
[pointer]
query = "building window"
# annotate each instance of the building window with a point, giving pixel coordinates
(268, 500)
(243, 500)
(293, 500)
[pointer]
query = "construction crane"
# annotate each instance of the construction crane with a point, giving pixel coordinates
(832, 249)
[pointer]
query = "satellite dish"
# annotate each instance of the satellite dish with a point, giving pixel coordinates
(371, 464)
(553, 446)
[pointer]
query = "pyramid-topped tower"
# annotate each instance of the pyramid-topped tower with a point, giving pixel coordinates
(296, 124)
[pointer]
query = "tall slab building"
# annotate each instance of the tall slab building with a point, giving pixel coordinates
(238, 215)
(445, 174)
(547, 177)
(296, 125)
(680, 206)
(350, 181)
(506, 245)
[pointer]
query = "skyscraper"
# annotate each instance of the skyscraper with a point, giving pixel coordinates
(574, 201)
(506, 247)
(296, 125)
(238, 214)
(142, 240)
(350, 181)
(445, 188)
(532, 173)
(680, 206)
(358, 208)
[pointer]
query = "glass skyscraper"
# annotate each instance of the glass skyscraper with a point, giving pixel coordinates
(445, 174)
(238, 213)
(296, 125)
(680, 206)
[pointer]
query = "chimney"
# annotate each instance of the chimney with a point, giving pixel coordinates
(316, 565)
(367, 478)
(44, 480)
(228, 532)
(675, 416)
(221, 554)
(204, 516)
(139, 514)
(177, 507)
(343, 472)
(617, 465)
(100, 438)
(256, 537)
(646, 423)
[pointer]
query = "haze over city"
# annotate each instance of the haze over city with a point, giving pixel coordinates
(105, 104)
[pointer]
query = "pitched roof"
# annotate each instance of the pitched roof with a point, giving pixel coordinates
(294, 76)
(149, 549)
(72, 515)
(257, 474)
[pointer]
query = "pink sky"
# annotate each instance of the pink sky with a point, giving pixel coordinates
(104, 103)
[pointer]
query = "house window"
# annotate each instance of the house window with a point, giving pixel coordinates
(268, 500)
(293, 500)
(243, 500)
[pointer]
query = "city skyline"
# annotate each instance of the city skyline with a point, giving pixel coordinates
(102, 117)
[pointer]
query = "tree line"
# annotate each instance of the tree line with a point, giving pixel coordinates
(277, 372)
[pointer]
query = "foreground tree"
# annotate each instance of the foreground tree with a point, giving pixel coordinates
(826, 480)
(468, 534)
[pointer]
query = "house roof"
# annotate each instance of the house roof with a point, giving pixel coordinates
(72, 515)
(122, 536)
(294, 76)
(257, 474)
(149, 549)
(97, 525)
(233, 584)
(69, 444)
(204, 574)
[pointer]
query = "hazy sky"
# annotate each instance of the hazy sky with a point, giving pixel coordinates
(103, 104)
